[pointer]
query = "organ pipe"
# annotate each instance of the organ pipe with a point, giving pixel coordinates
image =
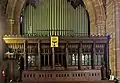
(56, 17)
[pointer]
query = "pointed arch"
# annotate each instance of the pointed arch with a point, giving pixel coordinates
(94, 8)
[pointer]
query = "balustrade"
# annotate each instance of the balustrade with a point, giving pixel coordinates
(44, 76)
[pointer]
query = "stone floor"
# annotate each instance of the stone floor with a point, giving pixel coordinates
(105, 81)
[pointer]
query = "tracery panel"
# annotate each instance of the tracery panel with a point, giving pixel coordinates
(60, 55)
(46, 57)
(73, 54)
(99, 55)
(86, 56)
(32, 55)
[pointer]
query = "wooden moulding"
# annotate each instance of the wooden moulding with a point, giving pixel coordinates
(61, 39)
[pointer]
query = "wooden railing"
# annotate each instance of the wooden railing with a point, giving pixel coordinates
(61, 76)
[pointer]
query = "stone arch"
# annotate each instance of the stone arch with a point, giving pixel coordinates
(94, 7)
(96, 13)
(10, 8)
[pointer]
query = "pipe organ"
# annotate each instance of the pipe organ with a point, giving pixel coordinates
(88, 54)
(78, 57)
(55, 17)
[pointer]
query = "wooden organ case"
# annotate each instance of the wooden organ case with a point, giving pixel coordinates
(75, 59)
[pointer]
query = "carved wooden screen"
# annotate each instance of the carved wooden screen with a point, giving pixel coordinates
(32, 54)
(60, 55)
(73, 54)
(46, 57)
(86, 55)
(99, 55)
(13, 51)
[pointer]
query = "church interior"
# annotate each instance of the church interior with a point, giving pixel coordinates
(60, 41)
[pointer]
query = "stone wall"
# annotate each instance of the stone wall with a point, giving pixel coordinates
(110, 28)
(117, 26)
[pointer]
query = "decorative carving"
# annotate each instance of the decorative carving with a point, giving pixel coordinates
(56, 58)
(100, 48)
(61, 76)
(86, 54)
(3, 5)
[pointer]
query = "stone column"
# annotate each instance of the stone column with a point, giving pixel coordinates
(3, 30)
(11, 26)
(117, 19)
